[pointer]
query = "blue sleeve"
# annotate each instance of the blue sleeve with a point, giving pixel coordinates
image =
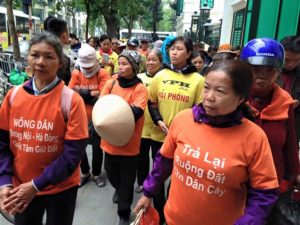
(258, 206)
(63, 166)
(162, 169)
(6, 159)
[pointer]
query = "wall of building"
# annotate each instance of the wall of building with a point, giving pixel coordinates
(184, 20)
(230, 7)
(272, 18)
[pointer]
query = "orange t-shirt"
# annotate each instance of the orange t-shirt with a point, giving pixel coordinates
(136, 95)
(37, 132)
(93, 83)
(211, 168)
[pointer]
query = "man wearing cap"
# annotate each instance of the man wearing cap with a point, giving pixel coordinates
(144, 48)
(133, 44)
(88, 80)
(121, 161)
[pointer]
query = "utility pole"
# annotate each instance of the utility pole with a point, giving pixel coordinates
(30, 20)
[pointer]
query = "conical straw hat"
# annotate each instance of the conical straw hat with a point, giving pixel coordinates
(113, 120)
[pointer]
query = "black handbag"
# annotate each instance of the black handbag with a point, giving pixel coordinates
(287, 209)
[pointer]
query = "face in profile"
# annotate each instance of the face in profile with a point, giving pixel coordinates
(291, 60)
(125, 68)
(92, 43)
(43, 60)
(219, 97)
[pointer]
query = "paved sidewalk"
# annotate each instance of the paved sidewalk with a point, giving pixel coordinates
(94, 205)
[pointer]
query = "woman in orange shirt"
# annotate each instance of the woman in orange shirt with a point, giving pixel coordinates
(217, 157)
(43, 136)
(121, 162)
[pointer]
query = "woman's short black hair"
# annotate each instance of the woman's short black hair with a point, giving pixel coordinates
(55, 26)
(239, 72)
(104, 37)
(242, 79)
(291, 44)
(188, 43)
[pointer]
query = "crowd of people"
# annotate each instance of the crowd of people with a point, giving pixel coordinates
(223, 126)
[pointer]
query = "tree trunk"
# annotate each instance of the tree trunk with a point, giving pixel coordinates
(87, 5)
(111, 24)
(130, 25)
(155, 19)
(12, 29)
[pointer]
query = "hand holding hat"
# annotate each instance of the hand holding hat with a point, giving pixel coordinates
(113, 120)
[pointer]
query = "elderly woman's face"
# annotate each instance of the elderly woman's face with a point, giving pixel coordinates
(125, 68)
(219, 97)
(43, 61)
(264, 77)
(153, 63)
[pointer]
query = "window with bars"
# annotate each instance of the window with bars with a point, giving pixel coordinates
(238, 28)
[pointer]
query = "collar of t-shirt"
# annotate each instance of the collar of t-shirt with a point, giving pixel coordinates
(232, 119)
(45, 89)
(189, 68)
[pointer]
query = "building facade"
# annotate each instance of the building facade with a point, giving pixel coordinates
(244, 20)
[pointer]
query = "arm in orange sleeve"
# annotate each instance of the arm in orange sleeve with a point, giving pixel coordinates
(74, 79)
(140, 100)
(102, 79)
(140, 97)
(107, 88)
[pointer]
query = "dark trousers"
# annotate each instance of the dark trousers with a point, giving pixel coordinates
(144, 160)
(121, 171)
(97, 156)
(59, 209)
(159, 200)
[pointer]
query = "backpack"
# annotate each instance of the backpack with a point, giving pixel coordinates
(65, 101)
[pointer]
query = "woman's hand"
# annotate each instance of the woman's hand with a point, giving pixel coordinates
(163, 126)
(296, 103)
(107, 63)
(143, 203)
(4, 194)
(95, 93)
(19, 198)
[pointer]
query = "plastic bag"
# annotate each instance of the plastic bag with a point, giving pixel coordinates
(17, 77)
(150, 217)
(286, 210)
(137, 220)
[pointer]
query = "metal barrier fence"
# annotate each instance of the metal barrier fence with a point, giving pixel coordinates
(8, 63)
(4, 85)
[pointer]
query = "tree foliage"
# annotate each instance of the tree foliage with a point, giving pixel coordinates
(130, 10)
(168, 23)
